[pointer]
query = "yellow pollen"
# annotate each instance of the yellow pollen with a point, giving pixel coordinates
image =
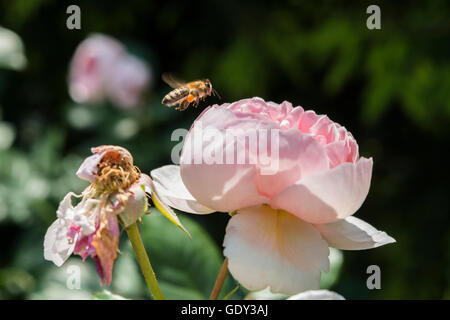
(190, 98)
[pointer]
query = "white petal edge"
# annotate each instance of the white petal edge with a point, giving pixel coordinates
(353, 234)
(267, 247)
(167, 212)
(88, 168)
(171, 189)
(317, 295)
(147, 184)
(136, 206)
(56, 245)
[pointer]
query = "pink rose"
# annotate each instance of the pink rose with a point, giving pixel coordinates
(288, 216)
(102, 69)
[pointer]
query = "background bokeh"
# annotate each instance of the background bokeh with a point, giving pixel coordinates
(389, 87)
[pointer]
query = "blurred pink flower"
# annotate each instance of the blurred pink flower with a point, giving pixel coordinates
(127, 81)
(102, 69)
(283, 222)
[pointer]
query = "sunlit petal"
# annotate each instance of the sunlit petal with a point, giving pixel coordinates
(171, 189)
(353, 234)
(268, 247)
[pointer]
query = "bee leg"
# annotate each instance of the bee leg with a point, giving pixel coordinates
(183, 105)
(189, 99)
(196, 98)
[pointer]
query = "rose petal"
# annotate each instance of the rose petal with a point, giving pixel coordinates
(353, 234)
(266, 247)
(56, 242)
(88, 168)
(317, 295)
(170, 188)
(233, 187)
(253, 174)
(106, 243)
(147, 183)
(328, 196)
(265, 294)
(136, 205)
(84, 248)
(299, 155)
(167, 211)
(219, 186)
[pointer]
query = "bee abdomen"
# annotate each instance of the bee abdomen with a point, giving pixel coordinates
(174, 96)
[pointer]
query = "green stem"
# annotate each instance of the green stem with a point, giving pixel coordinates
(230, 294)
(220, 280)
(144, 262)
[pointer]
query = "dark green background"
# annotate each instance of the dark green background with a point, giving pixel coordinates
(389, 87)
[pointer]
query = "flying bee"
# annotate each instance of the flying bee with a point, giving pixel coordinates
(185, 93)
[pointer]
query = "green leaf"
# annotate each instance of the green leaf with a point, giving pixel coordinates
(230, 294)
(167, 212)
(185, 269)
(107, 295)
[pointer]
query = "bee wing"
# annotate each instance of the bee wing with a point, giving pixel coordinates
(172, 81)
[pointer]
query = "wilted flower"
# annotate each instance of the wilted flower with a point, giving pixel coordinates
(101, 68)
(282, 223)
(91, 228)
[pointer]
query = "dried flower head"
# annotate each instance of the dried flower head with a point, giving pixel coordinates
(91, 228)
(115, 170)
(118, 192)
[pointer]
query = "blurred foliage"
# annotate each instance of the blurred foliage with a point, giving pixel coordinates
(11, 50)
(193, 273)
(389, 87)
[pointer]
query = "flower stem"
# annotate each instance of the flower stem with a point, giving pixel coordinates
(220, 280)
(144, 262)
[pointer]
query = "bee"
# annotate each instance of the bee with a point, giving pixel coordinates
(185, 93)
